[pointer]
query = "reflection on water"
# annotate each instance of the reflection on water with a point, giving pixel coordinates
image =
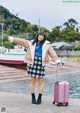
(23, 86)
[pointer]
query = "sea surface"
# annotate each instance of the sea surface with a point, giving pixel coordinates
(49, 81)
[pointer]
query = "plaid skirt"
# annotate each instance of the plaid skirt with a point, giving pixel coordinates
(36, 69)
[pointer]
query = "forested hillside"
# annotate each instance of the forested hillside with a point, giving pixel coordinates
(69, 31)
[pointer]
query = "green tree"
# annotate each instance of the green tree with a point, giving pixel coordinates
(71, 24)
(54, 35)
(77, 46)
(7, 44)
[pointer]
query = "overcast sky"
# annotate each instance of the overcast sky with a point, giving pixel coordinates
(51, 12)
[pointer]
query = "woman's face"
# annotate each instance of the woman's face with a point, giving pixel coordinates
(40, 38)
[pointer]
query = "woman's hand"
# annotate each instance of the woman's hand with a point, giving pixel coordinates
(10, 38)
(59, 62)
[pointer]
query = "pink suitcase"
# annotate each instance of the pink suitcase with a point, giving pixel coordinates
(61, 93)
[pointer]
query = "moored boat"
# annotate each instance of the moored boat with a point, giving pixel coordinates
(13, 58)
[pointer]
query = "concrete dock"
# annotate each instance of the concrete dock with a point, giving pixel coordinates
(21, 103)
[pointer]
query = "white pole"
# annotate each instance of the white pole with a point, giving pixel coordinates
(39, 25)
(2, 35)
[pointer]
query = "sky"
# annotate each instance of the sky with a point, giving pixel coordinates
(50, 12)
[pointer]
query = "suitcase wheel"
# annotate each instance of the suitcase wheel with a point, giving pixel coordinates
(66, 104)
(54, 102)
(59, 104)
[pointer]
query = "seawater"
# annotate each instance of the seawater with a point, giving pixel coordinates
(49, 81)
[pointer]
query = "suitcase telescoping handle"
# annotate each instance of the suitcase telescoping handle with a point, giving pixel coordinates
(57, 71)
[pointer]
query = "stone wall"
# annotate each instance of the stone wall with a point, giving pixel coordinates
(67, 53)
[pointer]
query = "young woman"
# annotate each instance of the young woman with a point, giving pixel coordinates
(38, 52)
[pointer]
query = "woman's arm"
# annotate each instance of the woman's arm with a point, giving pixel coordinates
(19, 41)
(53, 55)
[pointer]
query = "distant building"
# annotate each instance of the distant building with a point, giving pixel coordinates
(2, 49)
(28, 36)
(62, 46)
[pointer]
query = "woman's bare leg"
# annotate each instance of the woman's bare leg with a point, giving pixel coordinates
(41, 88)
(32, 84)
(32, 88)
(41, 84)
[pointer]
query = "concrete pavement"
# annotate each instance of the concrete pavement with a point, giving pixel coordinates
(21, 103)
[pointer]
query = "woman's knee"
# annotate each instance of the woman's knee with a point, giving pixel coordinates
(33, 80)
(41, 81)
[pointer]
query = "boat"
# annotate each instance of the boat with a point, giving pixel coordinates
(14, 58)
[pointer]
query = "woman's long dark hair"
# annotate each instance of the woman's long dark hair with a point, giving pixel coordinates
(36, 38)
